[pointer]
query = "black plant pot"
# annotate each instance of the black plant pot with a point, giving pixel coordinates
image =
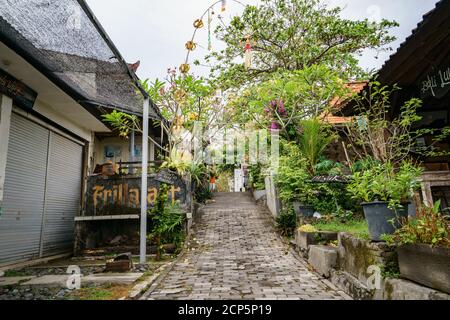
(302, 210)
(379, 218)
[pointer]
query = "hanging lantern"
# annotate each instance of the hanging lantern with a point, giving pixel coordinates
(224, 4)
(248, 54)
(190, 45)
(184, 68)
(198, 23)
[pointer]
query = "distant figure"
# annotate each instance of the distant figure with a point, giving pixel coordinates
(212, 183)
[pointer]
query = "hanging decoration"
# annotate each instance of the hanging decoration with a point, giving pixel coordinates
(184, 68)
(209, 28)
(190, 45)
(198, 23)
(248, 55)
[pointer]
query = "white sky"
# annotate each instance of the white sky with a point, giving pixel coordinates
(155, 31)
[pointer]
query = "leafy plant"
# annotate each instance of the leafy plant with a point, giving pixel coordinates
(286, 221)
(429, 226)
(166, 219)
(384, 182)
(256, 177)
(315, 136)
(202, 193)
(375, 133)
(293, 178)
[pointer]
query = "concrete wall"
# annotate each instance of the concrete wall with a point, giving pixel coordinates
(273, 202)
(99, 156)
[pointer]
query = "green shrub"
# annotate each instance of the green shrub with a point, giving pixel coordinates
(383, 182)
(429, 226)
(286, 222)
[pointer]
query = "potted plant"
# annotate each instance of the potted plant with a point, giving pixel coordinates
(385, 192)
(293, 181)
(425, 239)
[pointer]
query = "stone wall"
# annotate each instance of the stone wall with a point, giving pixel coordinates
(356, 255)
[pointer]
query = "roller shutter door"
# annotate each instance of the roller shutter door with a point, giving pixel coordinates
(41, 192)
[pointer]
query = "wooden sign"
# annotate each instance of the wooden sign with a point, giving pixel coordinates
(22, 95)
(436, 84)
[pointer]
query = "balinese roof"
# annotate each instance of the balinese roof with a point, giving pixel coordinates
(339, 102)
(427, 46)
(65, 42)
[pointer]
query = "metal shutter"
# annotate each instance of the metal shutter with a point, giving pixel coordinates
(23, 203)
(41, 193)
(63, 195)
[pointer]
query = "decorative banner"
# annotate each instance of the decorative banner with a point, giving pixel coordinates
(436, 84)
(22, 95)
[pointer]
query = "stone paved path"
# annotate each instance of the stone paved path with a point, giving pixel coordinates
(234, 253)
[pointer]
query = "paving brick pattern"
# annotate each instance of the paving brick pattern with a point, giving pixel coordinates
(235, 253)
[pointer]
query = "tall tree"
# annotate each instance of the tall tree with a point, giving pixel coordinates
(292, 35)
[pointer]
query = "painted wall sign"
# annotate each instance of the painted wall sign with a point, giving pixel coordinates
(22, 95)
(436, 84)
(122, 195)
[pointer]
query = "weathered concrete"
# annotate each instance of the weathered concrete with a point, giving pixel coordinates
(11, 281)
(356, 255)
(350, 285)
(100, 278)
(113, 278)
(399, 289)
(323, 259)
(235, 253)
(48, 281)
(305, 239)
(258, 194)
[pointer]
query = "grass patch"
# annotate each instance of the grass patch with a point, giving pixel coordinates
(105, 292)
(357, 228)
(15, 273)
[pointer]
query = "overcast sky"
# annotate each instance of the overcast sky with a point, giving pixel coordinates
(155, 31)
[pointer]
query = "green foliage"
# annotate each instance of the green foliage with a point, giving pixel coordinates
(122, 122)
(286, 98)
(429, 226)
(202, 193)
(357, 228)
(391, 268)
(257, 177)
(286, 221)
(314, 138)
(291, 35)
(329, 167)
(293, 178)
(375, 133)
(384, 182)
(166, 220)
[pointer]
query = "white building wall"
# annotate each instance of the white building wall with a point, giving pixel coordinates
(5, 119)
